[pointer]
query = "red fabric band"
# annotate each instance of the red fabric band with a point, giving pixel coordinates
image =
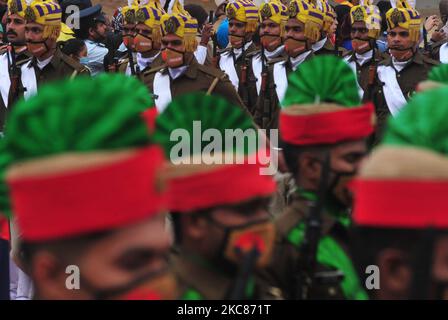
(230, 184)
(400, 204)
(327, 127)
(4, 228)
(150, 117)
(94, 199)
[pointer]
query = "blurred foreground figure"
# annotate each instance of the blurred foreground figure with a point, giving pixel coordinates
(323, 150)
(84, 186)
(400, 211)
(222, 227)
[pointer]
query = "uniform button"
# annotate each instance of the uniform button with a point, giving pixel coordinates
(379, 91)
(398, 75)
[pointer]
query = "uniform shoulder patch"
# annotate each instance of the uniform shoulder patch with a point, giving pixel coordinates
(72, 63)
(154, 70)
(215, 73)
(275, 60)
(253, 53)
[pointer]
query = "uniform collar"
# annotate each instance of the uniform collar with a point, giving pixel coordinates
(54, 62)
(239, 52)
(363, 58)
(417, 58)
(274, 54)
(189, 71)
(319, 44)
(295, 62)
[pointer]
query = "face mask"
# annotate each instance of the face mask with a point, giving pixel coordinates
(402, 55)
(173, 58)
(142, 44)
(38, 48)
(128, 41)
(338, 189)
(271, 42)
(241, 240)
(160, 285)
(236, 41)
(360, 46)
(84, 61)
(295, 47)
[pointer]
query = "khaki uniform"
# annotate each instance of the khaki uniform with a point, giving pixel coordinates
(362, 72)
(21, 59)
(61, 66)
(331, 256)
(197, 78)
(248, 91)
(408, 79)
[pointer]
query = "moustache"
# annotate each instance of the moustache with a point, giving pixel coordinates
(11, 33)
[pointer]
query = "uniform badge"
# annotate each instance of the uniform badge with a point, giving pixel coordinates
(13, 8)
(266, 12)
(292, 10)
(30, 15)
(129, 17)
(231, 13)
(358, 15)
(171, 25)
(140, 16)
(396, 17)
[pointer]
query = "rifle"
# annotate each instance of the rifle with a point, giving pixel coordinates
(307, 267)
(243, 80)
(372, 76)
(247, 266)
(264, 94)
(425, 38)
(336, 42)
(131, 62)
(14, 75)
(215, 42)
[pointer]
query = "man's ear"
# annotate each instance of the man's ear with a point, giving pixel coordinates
(49, 276)
(395, 274)
(309, 167)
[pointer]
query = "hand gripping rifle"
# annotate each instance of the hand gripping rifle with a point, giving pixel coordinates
(307, 276)
(132, 63)
(264, 93)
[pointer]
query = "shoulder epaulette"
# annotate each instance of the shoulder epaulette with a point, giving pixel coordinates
(276, 60)
(72, 63)
(154, 70)
(216, 73)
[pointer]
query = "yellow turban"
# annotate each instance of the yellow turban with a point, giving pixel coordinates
(46, 13)
(406, 17)
(151, 15)
(244, 11)
(310, 16)
(275, 11)
(17, 7)
(183, 26)
(371, 16)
